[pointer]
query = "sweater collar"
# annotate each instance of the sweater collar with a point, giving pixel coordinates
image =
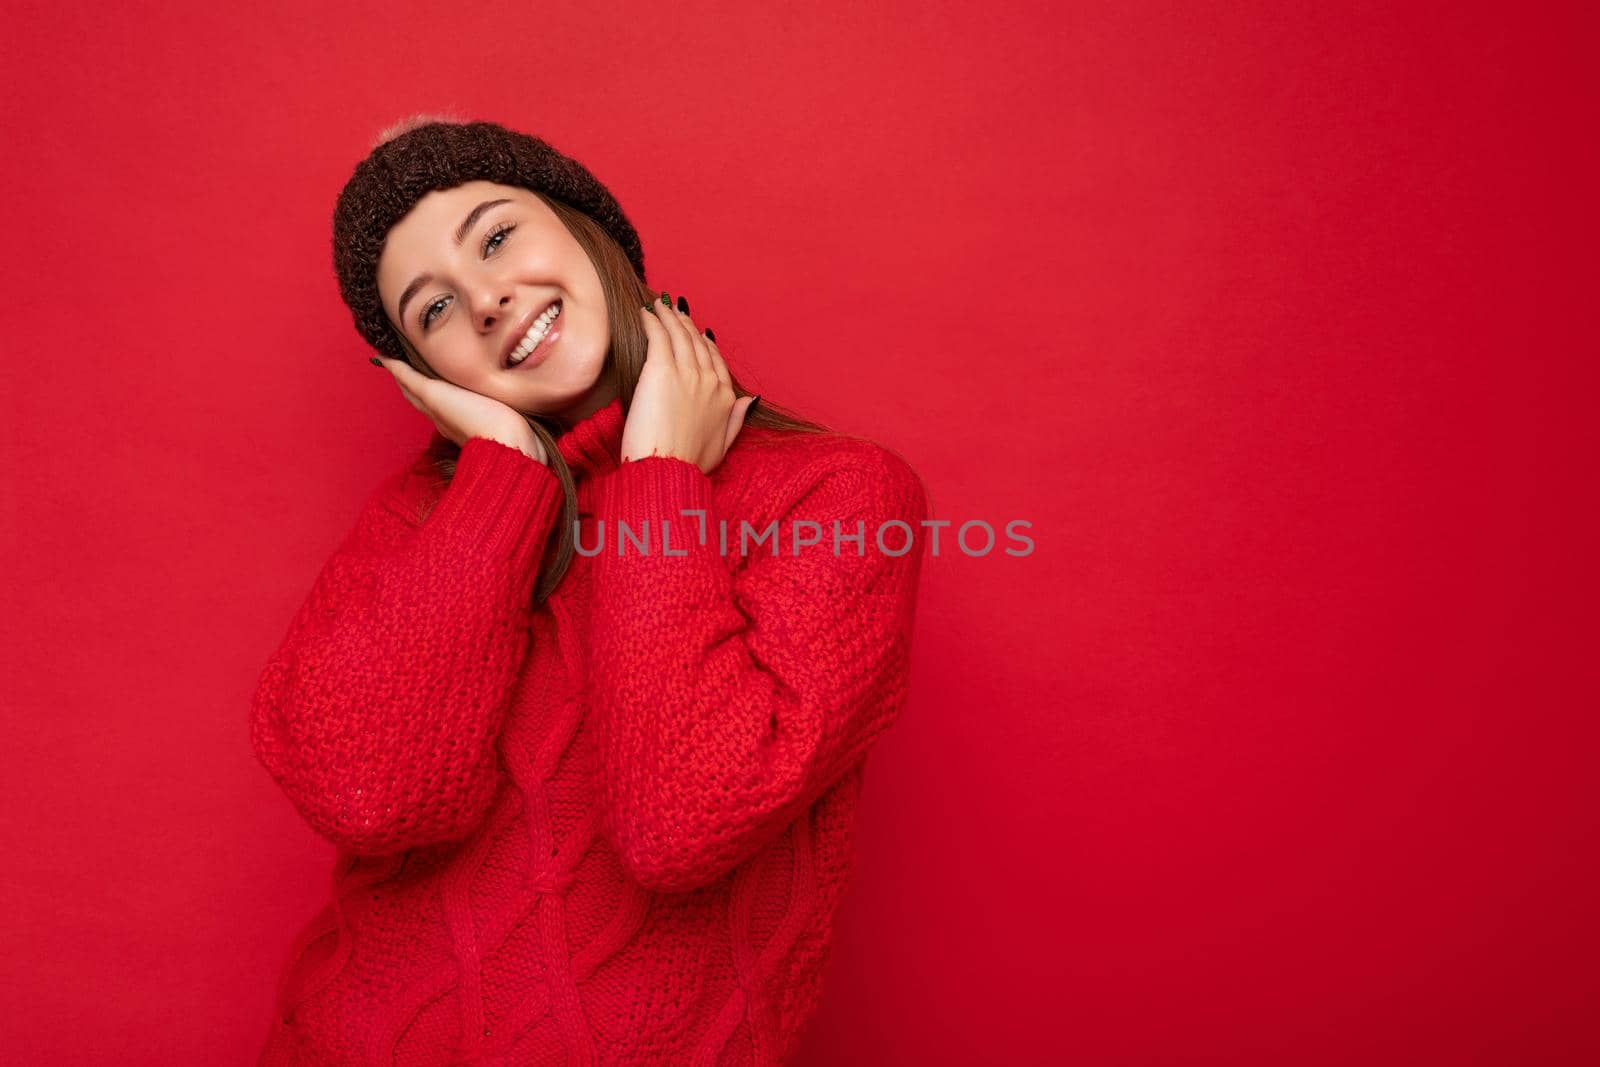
(593, 446)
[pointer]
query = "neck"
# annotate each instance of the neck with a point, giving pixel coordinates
(602, 394)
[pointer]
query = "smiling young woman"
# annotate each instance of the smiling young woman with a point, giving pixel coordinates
(592, 804)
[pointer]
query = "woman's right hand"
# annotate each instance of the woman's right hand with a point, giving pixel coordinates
(460, 413)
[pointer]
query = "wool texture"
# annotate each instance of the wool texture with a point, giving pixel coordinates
(614, 827)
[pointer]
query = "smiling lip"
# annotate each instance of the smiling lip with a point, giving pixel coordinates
(522, 331)
(539, 353)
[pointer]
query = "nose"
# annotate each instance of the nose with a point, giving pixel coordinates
(489, 302)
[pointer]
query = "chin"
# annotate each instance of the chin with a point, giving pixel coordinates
(565, 385)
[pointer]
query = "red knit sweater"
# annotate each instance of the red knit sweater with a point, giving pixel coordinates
(612, 829)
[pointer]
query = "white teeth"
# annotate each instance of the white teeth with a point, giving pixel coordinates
(535, 334)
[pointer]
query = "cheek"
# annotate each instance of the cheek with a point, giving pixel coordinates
(459, 362)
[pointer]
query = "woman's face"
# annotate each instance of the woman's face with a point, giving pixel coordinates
(467, 306)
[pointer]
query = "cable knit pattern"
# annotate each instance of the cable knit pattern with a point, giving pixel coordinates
(615, 828)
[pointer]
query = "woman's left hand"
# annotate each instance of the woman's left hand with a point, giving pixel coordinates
(683, 404)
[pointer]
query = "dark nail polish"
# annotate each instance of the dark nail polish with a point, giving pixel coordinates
(711, 333)
(666, 298)
(376, 362)
(753, 404)
(683, 305)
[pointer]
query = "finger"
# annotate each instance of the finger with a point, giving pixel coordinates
(719, 366)
(426, 411)
(702, 351)
(398, 371)
(411, 398)
(405, 375)
(702, 357)
(660, 344)
(408, 374)
(699, 354)
(741, 407)
(682, 350)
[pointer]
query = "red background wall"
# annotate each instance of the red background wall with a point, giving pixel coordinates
(1277, 749)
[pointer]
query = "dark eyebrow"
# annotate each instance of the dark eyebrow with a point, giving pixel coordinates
(460, 235)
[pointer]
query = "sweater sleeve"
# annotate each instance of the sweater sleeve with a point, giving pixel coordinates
(379, 712)
(730, 698)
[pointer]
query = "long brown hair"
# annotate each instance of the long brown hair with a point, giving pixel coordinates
(624, 291)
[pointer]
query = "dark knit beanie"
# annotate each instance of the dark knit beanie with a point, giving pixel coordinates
(442, 155)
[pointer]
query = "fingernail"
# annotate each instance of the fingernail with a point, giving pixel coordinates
(711, 333)
(666, 298)
(753, 404)
(683, 305)
(376, 362)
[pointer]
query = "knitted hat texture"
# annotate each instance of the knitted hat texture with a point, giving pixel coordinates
(441, 155)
